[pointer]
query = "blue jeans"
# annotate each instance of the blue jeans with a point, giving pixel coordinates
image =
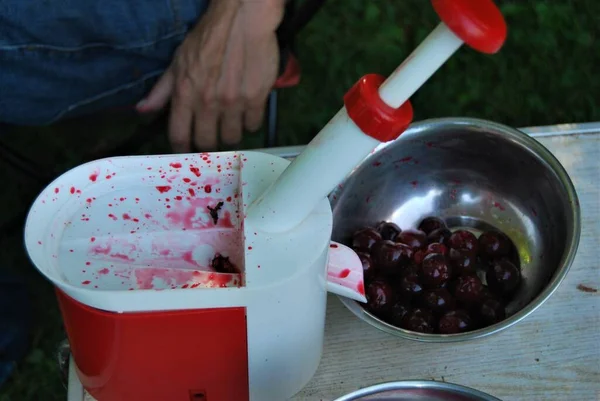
(64, 58)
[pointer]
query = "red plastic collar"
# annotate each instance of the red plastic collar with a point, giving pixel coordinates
(479, 23)
(371, 114)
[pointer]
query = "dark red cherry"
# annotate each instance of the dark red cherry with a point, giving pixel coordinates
(397, 313)
(431, 248)
(468, 289)
(503, 277)
(462, 262)
(367, 264)
(419, 256)
(380, 297)
(222, 264)
(364, 239)
(440, 236)
(494, 245)
(435, 270)
(416, 239)
(420, 320)
(436, 247)
(391, 256)
(429, 224)
(492, 311)
(438, 300)
(463, 240)
(457, 321)
(388, 230)
(410, 285)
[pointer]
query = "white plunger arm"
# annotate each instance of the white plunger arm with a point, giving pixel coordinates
(342, 144)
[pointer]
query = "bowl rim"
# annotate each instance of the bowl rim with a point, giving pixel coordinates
(411, 384)
(565, 263)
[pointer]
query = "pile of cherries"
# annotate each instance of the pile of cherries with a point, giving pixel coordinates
(432, 280)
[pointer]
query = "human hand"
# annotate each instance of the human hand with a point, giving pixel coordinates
(221, 74)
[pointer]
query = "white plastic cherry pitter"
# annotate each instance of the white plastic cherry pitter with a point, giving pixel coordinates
(204, 277)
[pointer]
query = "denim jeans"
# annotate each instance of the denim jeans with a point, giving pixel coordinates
(64, 58)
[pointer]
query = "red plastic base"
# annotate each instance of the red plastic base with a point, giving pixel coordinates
(194, 355)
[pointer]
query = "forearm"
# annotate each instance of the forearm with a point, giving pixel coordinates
(223, 12)
(263, 15)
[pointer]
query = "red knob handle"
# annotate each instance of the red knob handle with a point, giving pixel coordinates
(479, 23)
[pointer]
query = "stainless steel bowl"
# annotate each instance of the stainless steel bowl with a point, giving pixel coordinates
(477, 174)
(417, 391)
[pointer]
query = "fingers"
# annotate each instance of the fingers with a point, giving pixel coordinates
(262, 62)
(231, 126)
(160, 94)
(253, 118)
(205, 126)
(180, 120)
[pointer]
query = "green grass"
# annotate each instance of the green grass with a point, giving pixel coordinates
(543, 75)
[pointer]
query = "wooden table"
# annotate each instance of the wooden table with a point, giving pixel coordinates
(554, 354)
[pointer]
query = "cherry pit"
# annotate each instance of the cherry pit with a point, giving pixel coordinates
(433, 279)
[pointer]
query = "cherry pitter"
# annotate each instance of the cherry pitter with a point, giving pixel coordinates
(206, 275)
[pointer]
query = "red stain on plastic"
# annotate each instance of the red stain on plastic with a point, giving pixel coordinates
(196, 171)
(186, 216)
(361, 288)
(100, 250)
(126, 216)
(56, 190)
(145, 277)
(344, 273)
(175, 165)
(122, 257)
(188, 257)
(207, 189)
(86, 282)
(333, 246)
(377, 164)
(415, 183)
(498, 206)
(103, 271)
(192, 192)
(112, 216)
(93, 177)
(72, 190)
(179, 278)
(404, 160)
(163, 188)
